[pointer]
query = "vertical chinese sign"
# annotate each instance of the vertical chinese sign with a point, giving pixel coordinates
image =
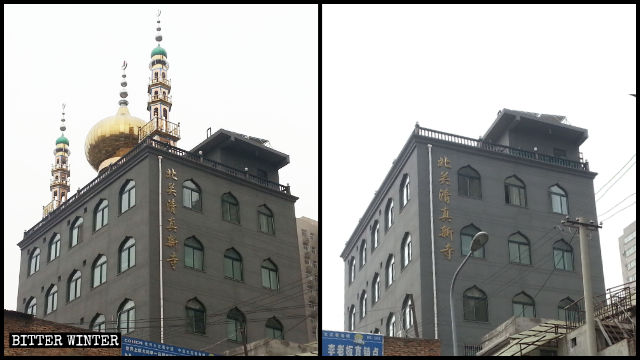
(444, 196)
(171, 227)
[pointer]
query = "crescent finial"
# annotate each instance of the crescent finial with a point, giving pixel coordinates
(124, 65)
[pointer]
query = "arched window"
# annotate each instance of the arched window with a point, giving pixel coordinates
(74, 284)
(375, 288)
(274, 329)
(127, 254)
(191, 195)
(164, 93)
(155, 111)
(196, 316)
(164, 113)
(54, 247)
(466, 236)
(405, 249)
(99, 270)
(269, 275)
(98, 323)
(76, 226)
(265, 220)
(101, 214)
(34, 261)
(363, 304)
(193, 254)
(164, 76)
(230, 209)
(469, 183)
(475, 305)
(31, 306)
(404, 191)
(127, 196)
(391, 325)
(126, 316)
(515, 191)
(519, 249)
(235, 325)
(352, 269)
(558, 200)
(52, 299)
(407, 313)
(232, 264)
(563, 255)
(375, 235)
(352, 318)
(568, 311)
(363, 253)
(389, 214)
(155, 75)
(390, 270)
(523, 305)
(155, 94)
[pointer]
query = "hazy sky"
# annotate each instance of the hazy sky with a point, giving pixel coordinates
(249, 69)
(451, 68)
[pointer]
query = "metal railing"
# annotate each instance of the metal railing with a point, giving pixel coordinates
(59, 182)
(48, 208)
(154, 80)
(612, 305)
(519, 153)
(159, 124)
(60, 167)
(160, 97)
(194, 158)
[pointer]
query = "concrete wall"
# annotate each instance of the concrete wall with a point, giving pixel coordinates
(494, 275)
(141, 283)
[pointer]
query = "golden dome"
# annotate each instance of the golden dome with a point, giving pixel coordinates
(111, 138)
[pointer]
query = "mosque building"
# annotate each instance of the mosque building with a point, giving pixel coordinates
(195, 248)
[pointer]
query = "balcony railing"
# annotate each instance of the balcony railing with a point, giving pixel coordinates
(186, 155)
(48, 208)
(159, 125)
(60, 167)
(612, 305)
(166, 98)
(154, 80)
(59, 182)
(519, 153)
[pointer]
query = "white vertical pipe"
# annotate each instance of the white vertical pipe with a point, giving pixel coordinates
(433, 254)
(160, 243)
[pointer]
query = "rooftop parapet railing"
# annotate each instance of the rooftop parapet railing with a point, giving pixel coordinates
(161, 125)
(519, 153)
(165, 147)
(155, 80)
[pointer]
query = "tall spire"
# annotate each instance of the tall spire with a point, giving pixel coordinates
(60, 171)
(123, 83)
(159, 104)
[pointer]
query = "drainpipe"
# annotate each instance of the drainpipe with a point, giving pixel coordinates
(160, 243)
(433, 254)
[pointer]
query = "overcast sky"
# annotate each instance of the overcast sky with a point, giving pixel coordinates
(451, 68)
(249, 69)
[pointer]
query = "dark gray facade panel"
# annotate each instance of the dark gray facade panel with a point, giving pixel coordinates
(141, 283)
(494, 275)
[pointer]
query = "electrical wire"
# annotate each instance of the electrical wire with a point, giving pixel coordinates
(614, 206)
(596, 193)
(612, 185)
(614, 214)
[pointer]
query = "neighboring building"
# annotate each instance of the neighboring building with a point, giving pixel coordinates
(516, 183)
(216, 216)
(627, 243)
(17, 322)
(308, 247)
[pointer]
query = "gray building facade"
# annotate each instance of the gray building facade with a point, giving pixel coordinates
(516, 183)
(237, 257)
(627, 244)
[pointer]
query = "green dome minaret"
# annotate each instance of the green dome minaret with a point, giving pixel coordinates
(60, 172)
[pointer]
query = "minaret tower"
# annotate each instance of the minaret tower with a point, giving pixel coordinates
(159, 104)
(59, 171)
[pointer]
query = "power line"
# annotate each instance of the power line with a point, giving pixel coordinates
(621, 176)
(614, 206)
(633, 203)
(596, 193)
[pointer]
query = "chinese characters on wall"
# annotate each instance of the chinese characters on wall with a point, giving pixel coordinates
(171, 227)
(444, 198)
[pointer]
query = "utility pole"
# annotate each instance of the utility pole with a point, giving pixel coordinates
(584, 226)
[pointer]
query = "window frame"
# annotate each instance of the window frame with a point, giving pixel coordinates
(193, 243)
(470, 176)
(75, 228)
(467, 236)
(55, 241)
(192, 189)
(363, 304)
(125, 246)
(102, 207)
(519, 244)
(196, 312)
(406, 250)
(269, 220)
(532, 304)
(52, 299)
(477, 303)
(375, 289)
(270, 274)
(128, 189)
(407, 313)
(74, 285)
(127, 309)
(521, 190)
(276, 325)
(405, 194)
(99, 320)
(375, 236)
(566, 249)
(363, 253)
(391, 325)
(563, 199)
(230, 205)
(352, 269)
(390, 270)
(99, 265)
(32, 303)
(239, 322)
(34, 268)
(388, 215)
(228, 258)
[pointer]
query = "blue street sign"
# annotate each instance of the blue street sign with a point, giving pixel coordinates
(138, 347)
(340, 343)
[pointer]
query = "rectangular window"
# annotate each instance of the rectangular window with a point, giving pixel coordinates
(631, 264)
(630, 250)
(630, 237)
